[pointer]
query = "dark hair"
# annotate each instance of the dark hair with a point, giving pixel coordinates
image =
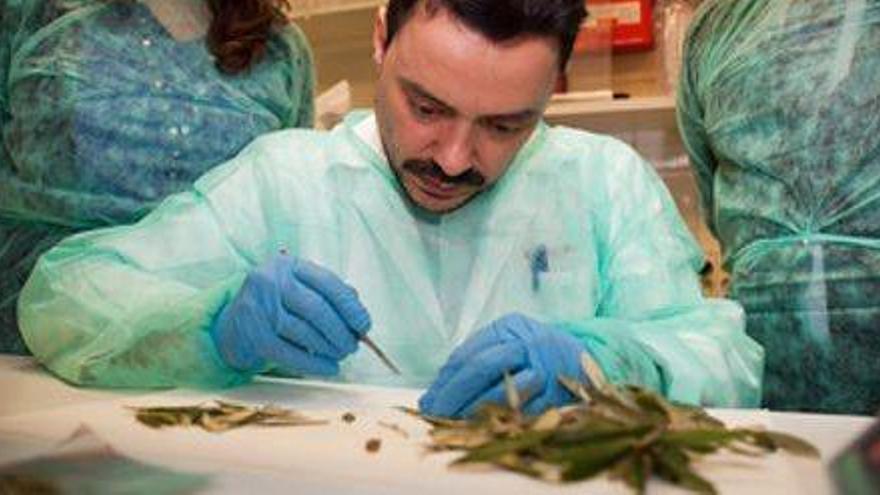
(240, 29)
(501, 20)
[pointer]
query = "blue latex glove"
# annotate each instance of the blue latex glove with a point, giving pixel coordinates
(532, 353)
(293, 315)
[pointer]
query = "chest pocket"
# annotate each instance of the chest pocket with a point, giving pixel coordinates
(560, 280)
(551, 275)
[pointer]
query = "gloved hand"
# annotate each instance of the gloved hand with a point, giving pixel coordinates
(292, 314)
(532, 353)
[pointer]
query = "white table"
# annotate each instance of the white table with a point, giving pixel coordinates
(37, 411)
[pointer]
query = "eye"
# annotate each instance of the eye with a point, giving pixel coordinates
(503, 129)
(426, 109)
(423, 109)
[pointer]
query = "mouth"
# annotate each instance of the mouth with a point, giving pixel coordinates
(438, 189)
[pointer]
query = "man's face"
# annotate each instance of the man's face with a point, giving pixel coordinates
(454, 108)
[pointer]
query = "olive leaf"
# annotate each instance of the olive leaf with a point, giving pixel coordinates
(220, 416)
(630, 433)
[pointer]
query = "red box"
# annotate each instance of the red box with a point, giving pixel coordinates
(632, 29)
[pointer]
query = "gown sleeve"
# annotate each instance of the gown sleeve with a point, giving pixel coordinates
(653, 326)
(132, 306)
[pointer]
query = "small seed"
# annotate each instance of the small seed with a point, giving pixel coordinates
(373, 445)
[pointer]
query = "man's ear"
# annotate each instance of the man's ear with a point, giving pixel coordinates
(380, 35)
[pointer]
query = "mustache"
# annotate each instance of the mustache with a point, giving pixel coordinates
(429, 168)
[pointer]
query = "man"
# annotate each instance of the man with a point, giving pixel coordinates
(474, 235)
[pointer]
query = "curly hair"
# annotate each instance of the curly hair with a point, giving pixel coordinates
(240, 29)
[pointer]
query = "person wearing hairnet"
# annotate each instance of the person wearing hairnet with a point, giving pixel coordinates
(108, 106)
(780, 111)
(455, 229)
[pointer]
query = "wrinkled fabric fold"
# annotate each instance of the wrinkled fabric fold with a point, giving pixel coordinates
(103, 114)
(779, 107)
(580, 233)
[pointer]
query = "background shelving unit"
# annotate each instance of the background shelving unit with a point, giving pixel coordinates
(341, 35)
(654, 110)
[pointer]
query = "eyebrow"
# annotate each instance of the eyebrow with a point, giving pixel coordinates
(414, 87)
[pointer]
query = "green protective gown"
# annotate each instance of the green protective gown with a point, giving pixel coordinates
(103, 113)
(779, 107)
(579, 232)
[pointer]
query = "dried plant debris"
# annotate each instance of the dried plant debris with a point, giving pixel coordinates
(629, 432)
(349, 417)
(220, 416)
(395, 428)
(373, 445)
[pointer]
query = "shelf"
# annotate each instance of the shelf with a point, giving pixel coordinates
(646, 123)
(308, 8)
(613, 116)
(563, 105)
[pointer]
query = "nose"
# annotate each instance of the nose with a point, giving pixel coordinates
(455, 150)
